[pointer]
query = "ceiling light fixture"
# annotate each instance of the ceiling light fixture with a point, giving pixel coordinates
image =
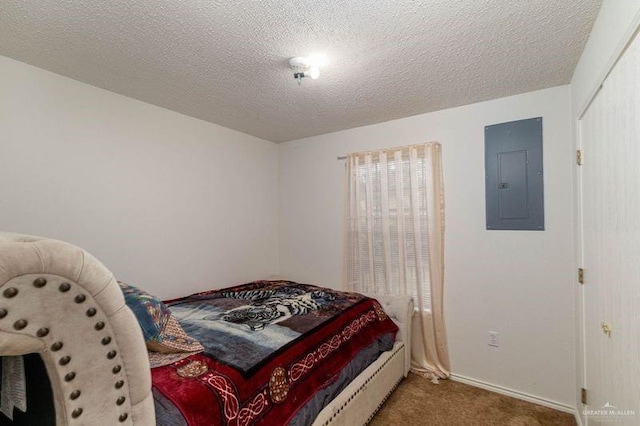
(306, 67)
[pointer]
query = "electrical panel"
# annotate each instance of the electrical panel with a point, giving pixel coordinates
(514, 190)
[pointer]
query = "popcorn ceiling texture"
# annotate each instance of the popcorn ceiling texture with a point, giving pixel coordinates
(227, 61)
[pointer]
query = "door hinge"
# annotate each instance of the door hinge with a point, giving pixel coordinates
(581, 275)
(583, 396)
(579, 157)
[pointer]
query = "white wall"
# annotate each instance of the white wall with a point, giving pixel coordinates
(167, 202)
(515, 282)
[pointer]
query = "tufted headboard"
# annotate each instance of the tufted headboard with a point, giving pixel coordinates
(60, 302)
(400, 309)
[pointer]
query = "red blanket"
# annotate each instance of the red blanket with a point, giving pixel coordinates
(323, 330)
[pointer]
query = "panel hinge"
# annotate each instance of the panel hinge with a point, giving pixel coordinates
(583, 396)
(581, 275)
(579, 157)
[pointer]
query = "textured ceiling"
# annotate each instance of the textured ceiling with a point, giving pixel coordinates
(225, 61)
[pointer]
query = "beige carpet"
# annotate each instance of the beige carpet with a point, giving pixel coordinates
(417, 401)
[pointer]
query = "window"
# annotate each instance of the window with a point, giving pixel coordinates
(387, 244)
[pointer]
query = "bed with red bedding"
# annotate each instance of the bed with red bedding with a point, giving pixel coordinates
(291, 354)
(275, 352)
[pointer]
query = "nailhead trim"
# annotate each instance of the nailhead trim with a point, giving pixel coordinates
(363, 386)
(20, 324)
(58, 345)
(10, 292)
(384, 400)
(39, 282)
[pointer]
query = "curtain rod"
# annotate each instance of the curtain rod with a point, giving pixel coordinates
(421, 145)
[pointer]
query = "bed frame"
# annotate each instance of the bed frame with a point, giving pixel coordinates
(60, 302)
(363, 397)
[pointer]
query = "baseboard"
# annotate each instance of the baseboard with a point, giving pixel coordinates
(516, 394)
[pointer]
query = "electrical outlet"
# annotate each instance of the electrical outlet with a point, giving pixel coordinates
(493, 339)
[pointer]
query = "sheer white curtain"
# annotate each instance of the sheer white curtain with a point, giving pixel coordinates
(394, 240)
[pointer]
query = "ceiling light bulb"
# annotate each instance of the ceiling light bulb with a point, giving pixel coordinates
(314, 73)
(317, 60)
(303, 67)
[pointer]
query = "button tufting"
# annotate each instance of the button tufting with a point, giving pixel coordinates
(119, 384)
(80, 298)
(106, 340)
(76, 413)
(91, 312)
(42, 332)
(64, 360)
(123, 417)
(69, 376)
(64, 287)
(39, 282)
(56, 346)
(3, 313)
(10, 292)
(75, 395)
(112, 354)
(20, 324)
(99, 325)
(116, 369)
(121, 400)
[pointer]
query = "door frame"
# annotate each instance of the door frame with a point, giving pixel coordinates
(580, 342)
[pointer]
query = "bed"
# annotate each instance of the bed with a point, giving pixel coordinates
(59, 302)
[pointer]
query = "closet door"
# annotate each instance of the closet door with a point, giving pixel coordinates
(610, 181)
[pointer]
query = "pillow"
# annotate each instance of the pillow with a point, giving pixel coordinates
(161, 330)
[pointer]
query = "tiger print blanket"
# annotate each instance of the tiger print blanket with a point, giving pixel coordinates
(269, 347)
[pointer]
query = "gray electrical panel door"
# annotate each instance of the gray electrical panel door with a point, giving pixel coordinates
(514, 176)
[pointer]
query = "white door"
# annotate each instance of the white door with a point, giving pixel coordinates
(610, 180)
